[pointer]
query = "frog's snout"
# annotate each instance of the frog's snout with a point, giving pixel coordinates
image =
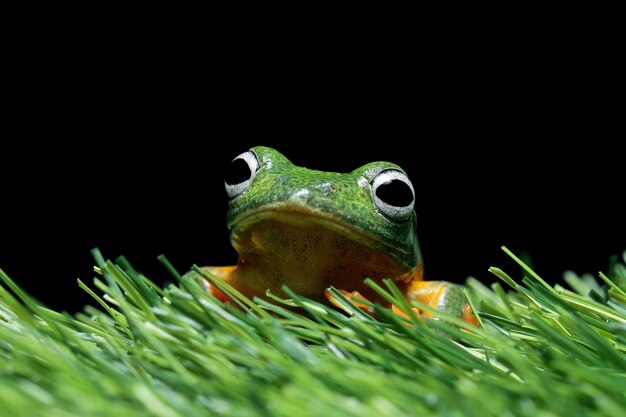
(309, 194)
(301, 194)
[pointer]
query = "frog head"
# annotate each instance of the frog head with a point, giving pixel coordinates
(309, 229)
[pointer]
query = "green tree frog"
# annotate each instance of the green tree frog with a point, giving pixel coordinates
(310, 230)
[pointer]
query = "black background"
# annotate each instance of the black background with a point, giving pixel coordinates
(122, 145)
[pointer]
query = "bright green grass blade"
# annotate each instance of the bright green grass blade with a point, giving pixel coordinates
(540, 350)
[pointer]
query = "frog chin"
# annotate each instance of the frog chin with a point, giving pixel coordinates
(309, 251)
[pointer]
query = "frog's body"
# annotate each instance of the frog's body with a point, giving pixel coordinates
(310, 230)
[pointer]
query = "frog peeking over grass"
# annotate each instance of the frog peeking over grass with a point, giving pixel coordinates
(310, 230)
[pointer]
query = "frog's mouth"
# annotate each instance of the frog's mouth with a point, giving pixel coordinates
(302, 217)
(309, 251)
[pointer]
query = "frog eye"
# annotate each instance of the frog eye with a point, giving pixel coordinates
(240, 173)
(393, 194)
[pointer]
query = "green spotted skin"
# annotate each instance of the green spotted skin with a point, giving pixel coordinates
(347, 198)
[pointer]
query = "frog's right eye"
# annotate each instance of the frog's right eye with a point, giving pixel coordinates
(240, 173)
(394, 196)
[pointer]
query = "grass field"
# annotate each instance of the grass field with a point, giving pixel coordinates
(540, 350)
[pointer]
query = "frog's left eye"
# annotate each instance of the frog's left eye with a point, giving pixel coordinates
(393, 194)
(240, 173)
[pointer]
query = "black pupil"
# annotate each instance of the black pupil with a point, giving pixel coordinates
(395, 193)
(237, 172)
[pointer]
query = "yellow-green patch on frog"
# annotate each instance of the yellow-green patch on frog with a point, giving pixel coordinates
(310, 230)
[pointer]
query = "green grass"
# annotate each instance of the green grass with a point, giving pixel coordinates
(541, 351)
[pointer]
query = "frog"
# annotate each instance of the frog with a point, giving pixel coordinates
(311, 230)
